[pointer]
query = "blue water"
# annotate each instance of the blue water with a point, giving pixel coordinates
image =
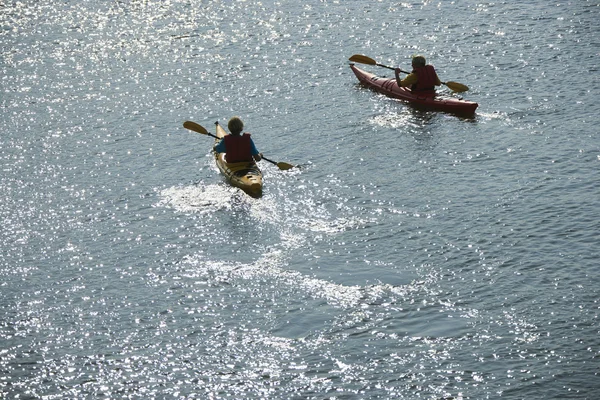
(414, 255)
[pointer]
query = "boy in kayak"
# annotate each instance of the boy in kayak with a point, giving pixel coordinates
(422, 79)
(237, 147)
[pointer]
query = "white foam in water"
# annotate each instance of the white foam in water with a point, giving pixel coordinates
(269, 265)
(197, 198)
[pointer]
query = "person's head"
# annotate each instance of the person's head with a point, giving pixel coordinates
(418, 61)
(235, 125)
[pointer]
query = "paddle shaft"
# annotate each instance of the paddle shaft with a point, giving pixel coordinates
(215, 136)
(405, 72)
(392, 68)
(271, 161)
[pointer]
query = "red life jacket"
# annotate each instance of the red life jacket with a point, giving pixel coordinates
(426, 79)
(238, 148)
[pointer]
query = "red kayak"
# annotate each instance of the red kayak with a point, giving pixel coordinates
(389, 87)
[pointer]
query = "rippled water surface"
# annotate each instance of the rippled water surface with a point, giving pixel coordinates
(414, 255)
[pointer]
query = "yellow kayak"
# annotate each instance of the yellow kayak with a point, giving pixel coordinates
(244, 175)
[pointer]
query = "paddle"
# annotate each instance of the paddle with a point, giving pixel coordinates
(200, 129)
(454, 86)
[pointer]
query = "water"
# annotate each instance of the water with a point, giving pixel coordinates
(414, 255)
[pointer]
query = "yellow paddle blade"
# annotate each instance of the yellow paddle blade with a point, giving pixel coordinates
(362, 59)
(192, 126)
(456, 87)
(284, 166)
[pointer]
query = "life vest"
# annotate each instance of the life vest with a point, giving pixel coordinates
(426, 80)
(238, 148)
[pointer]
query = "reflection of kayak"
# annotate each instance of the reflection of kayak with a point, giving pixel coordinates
(244, 175)
(389, 87)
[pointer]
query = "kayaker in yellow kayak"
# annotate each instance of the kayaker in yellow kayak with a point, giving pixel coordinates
(422, 79)
(237, 147)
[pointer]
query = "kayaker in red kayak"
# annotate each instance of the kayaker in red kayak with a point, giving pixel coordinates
(237, 147)
(422, 79)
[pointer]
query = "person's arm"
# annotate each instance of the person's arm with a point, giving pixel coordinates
(398, 80)
(220, 147)
(437, 80)
(410, 80)
(255, 153)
